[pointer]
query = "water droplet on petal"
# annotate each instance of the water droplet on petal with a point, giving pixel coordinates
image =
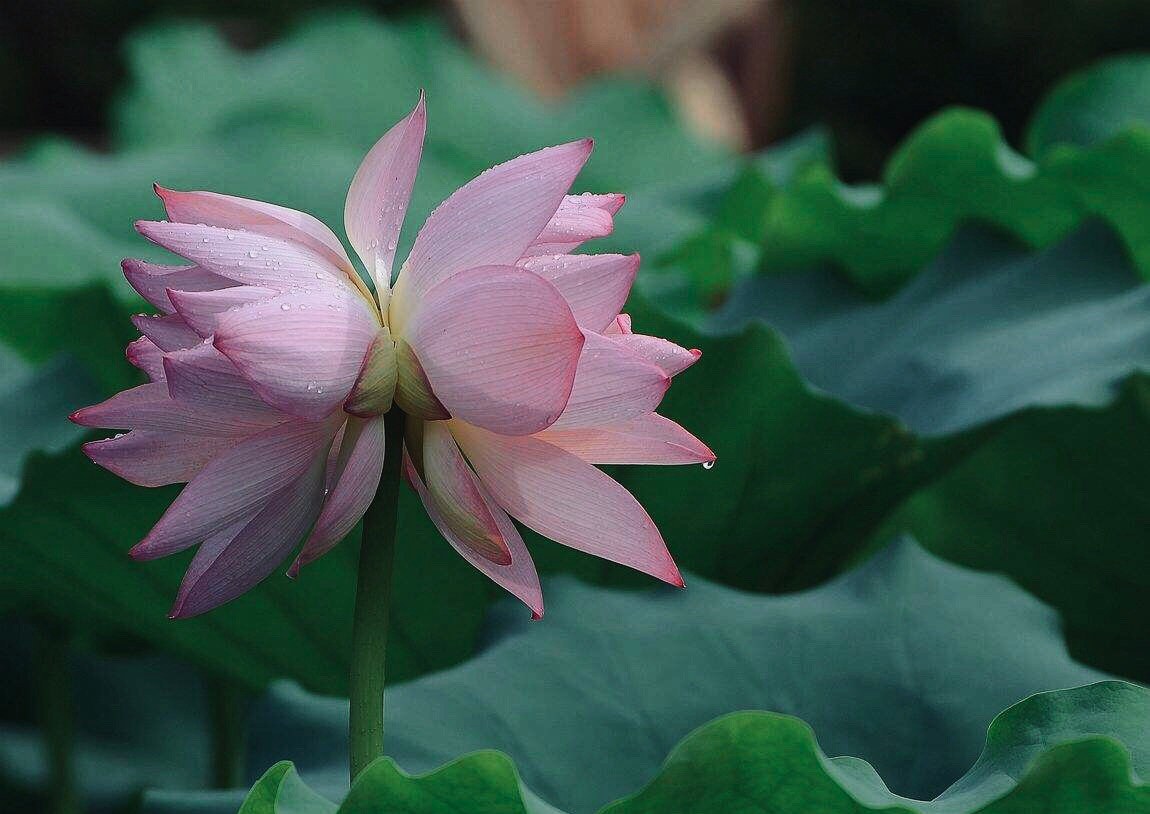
(231, 236)
(708, 464)
(285, 307)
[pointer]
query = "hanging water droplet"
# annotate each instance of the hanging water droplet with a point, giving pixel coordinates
(708, 464)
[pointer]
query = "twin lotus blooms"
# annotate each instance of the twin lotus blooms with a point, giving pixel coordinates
(272, 366)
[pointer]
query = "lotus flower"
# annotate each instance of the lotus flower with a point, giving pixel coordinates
(272, 365)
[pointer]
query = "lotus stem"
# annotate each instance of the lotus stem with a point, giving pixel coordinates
(373, 606)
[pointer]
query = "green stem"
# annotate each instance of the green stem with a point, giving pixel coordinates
(55, 710)
(373, 606)
(226, 702)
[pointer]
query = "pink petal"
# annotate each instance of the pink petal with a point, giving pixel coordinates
(579, 218)
(519, 578)
(564, 498)
(229, 212)
(667, 356)
(494, 218)
(648, 439)
(250, 258)
(147, 356)
(237, 485)
(202, 378)
(149, 458)
(149, 407)
(152, 281)
(201, 309)
(353, 484)
(499, 346)
(594, 285)
(378, 196)
(454, 489)
(612, 384)
(168, 332)
(301, 352)
(620, 325)
(226, 567)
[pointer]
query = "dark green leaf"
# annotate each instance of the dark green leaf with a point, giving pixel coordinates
(881, 663)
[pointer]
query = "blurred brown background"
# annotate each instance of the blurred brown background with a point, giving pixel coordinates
(745, 72)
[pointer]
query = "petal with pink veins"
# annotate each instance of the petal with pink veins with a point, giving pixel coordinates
(579, 218)
(454, 489)
(648, 439)
(499, 346)
(250, 258)
(378, 196)
(224, 568)
(201, 309)
(168, 332)
(352, 485)
(150, 458)
(520, 578)
(149, 407)
(620, 325)
(238, 484)
(152, 281)
(203, 378)
(612, 384)
(301, 352)
(147, 356)
(230, 212)
(594, 285)
(492, 219)
(672, 359)
(567, 499)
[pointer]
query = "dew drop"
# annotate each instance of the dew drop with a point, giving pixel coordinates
(231, 236)
(207, 240)
(285, 307)
(708, 464)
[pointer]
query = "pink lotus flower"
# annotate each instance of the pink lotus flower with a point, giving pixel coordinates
(272, 365)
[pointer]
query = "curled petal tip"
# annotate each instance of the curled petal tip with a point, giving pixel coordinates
(501, 555)
(293, 570)
(536, 615)
(696, 353)
(76, 417)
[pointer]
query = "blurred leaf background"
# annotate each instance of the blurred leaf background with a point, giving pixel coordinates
(911, 240)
